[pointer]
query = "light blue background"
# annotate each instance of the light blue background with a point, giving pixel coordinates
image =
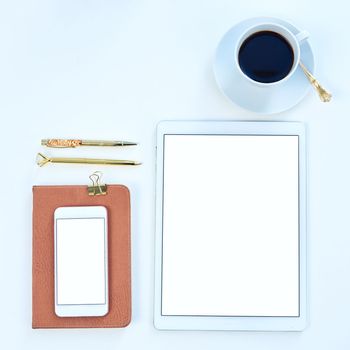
(113, 69)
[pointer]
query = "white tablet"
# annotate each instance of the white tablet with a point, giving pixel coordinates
(231, 226)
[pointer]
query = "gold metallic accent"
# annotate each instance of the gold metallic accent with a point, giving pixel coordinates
(42, 160)
(324, 95)
(59, 143)
(62, 143)
(96, 189)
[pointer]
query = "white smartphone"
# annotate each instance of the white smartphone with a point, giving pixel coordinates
(81, 261)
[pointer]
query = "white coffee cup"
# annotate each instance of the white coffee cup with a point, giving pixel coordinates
(293, 39)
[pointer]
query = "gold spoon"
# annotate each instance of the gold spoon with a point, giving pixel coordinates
(324, 95)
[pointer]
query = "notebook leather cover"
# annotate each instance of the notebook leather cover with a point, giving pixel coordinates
(117, 201)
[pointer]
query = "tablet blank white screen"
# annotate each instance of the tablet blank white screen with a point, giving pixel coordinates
(230, 225)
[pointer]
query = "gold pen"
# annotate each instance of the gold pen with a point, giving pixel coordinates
(42, 160)
(72, 143)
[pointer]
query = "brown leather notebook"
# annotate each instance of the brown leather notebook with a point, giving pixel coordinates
(117, 201)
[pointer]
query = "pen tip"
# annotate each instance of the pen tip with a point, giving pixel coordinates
(127, 143)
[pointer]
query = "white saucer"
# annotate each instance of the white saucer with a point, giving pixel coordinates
(251, 97)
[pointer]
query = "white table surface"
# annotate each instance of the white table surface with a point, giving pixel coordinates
(113, 69)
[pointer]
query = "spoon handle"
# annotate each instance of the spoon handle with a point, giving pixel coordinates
(324, 95)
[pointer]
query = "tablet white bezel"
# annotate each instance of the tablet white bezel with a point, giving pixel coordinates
(249, 323)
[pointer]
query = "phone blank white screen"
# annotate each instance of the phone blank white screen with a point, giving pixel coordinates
(80, 264)
(230, 225)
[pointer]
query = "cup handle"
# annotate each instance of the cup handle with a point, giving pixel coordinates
(301, 36)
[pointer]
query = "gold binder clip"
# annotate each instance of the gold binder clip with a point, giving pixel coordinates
(96, 189)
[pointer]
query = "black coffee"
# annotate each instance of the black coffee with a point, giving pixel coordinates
(266, 57)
